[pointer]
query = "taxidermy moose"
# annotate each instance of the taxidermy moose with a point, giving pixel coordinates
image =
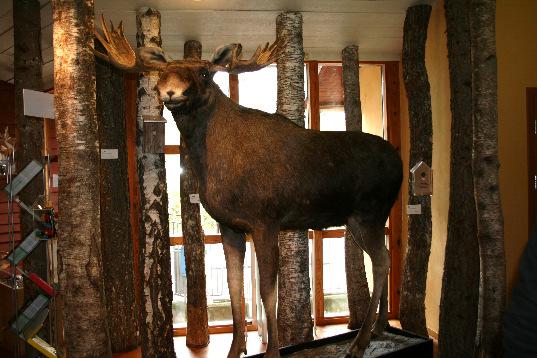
(312, 180)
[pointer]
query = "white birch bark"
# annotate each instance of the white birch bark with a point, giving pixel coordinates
(156, 331)
(79, 245)
(294, 307)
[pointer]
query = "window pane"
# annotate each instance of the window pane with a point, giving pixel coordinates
(331, 98)
(173, 170)
(178, 286)
(218, 300)
(259, 89)
(171, 133)
(334, 279)
(371, 98)
(222, 80)
(332, 119)
(331, 112)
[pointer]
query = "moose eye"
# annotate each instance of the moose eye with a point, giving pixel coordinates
(187, 92)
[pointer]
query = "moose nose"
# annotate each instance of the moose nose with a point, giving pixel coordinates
(170, 93)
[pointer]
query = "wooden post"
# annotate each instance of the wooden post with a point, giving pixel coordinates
(294, 307)
(28, 74)
(79, 249)
(357, 288)
(118, 269)
(460, 283)
(197, 334)
(486, 180)
(156, 330)
(412, 306)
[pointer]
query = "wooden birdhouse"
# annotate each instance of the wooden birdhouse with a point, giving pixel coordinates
(421, 179)
(154, 134)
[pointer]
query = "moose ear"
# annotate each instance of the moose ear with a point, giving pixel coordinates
(222, 55)
(153, 57)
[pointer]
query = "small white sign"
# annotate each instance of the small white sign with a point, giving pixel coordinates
(109, 154)
(413, 209)
(194, 198)
(38, 104)
(54, 180)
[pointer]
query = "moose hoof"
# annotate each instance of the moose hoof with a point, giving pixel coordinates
(358, 354)
(236, 352)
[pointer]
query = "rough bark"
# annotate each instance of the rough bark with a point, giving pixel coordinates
(486, 181)
(357, 287)
(294, 307)
(79, 249)
(412, 305)
(117, 250)
(197, 318)
(460, 283)
(156, 329)
(28, 74)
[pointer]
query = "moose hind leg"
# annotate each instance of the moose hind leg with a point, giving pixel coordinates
(371, 237)
(234, 249)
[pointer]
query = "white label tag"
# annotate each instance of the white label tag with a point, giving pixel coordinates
(194, 198)
(109, 154)
(38, 104)
(54, 180)
(413, 209)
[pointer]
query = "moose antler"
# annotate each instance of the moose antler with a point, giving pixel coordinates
(226, 58)
(120, 52)
(263, 56)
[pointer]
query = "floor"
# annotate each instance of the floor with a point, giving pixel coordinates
(219, 343)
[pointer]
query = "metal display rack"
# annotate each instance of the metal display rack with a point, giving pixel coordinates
(29, 320)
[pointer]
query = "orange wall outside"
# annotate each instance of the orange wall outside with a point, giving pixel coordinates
(517, 69)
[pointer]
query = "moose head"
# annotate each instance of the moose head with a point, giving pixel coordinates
(181, 81)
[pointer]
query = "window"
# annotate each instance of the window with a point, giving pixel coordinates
(323, 85)
(327, 90)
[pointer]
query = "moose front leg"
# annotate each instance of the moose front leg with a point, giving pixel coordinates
(266, 246)
(234, 248)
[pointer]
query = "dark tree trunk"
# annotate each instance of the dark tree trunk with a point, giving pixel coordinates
(79, 249)
(28, 74)
(156, 327)
(486, 181)
(412, 306)
(197, 319)
(118, 269)
(357, 287)
(460, 283)
(294, 306)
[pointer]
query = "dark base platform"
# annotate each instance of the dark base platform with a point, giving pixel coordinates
(394, 343)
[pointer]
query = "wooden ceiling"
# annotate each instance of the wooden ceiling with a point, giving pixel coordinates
(375, 25)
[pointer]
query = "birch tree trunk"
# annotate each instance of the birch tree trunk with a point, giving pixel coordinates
(412, 305)
(460, 283)
(294, 305)
(486, 181)
(118, 264)
(156, 329)
(79, 246)
(357, 287)
(197, 334)
(28, 74)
